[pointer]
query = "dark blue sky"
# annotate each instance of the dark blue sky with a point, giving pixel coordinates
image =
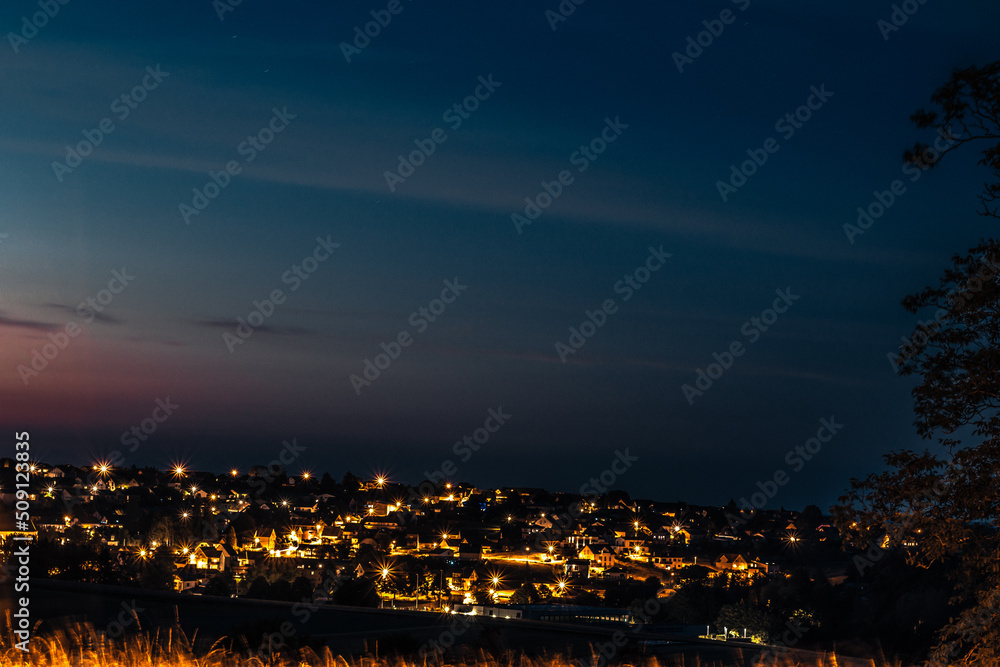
(323, 175)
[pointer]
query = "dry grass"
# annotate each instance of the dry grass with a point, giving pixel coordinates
(82, 646)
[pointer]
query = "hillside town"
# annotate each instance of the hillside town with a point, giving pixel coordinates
(265, 532)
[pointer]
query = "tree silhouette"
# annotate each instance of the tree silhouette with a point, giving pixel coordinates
(944, 508)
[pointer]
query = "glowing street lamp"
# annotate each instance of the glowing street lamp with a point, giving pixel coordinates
(234, 472)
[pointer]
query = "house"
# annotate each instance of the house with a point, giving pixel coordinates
(467, 551)
(207, 557)
(441, 553)
(669, 562)
(605, 558)
(187, 578)
(542, 524)
(577, 567)
(730, 562)
(601, 555)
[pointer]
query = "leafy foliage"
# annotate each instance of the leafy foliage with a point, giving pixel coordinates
(943, 509)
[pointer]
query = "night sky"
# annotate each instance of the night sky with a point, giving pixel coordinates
(597, 103)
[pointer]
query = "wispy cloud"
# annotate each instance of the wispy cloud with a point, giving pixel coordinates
(35, 325)
(264, 328)
(98, 317)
